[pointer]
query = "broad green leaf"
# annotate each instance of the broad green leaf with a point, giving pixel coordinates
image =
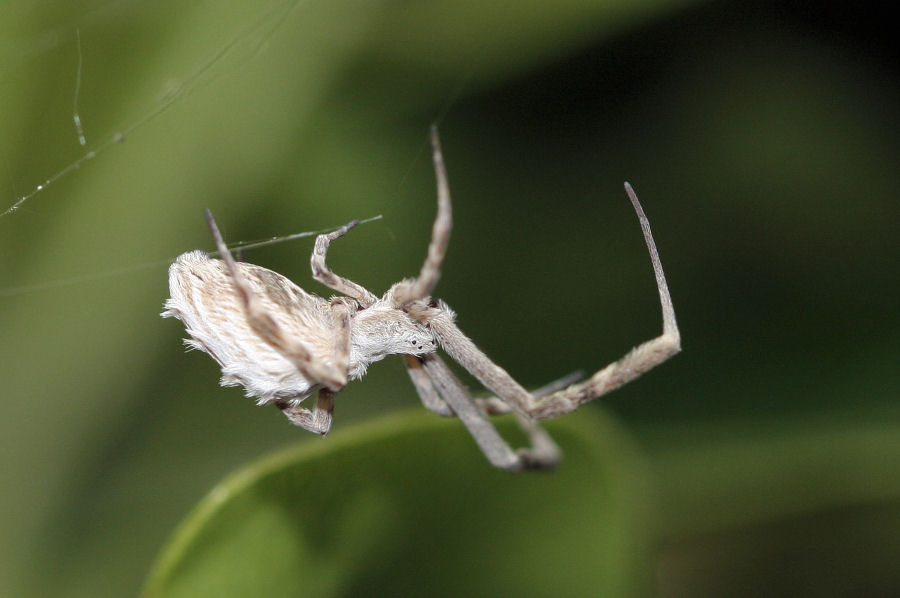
(406, 505)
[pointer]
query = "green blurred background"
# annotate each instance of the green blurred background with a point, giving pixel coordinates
(760, 136)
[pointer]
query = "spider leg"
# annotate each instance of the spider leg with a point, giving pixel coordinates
(332, 376)
(467, 354)
(497, 406)
(490, 405)
(425, 387)
(318, 420)
(639, 360)
(409, 291)
(341, 312)
(543, 453)
(323, 274)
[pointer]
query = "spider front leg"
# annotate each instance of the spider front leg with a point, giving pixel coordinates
(497, 406)
(428, 394)
(543, 453)
(639, 360)
(332, 376)
(323, 274)
(642, 358)
(412, 290)
(432, 401)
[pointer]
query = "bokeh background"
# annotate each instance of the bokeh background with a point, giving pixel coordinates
(762, 138)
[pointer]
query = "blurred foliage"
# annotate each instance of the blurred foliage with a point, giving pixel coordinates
(761, 137)
(294, 525)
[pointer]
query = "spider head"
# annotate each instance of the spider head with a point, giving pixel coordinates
(382, 329)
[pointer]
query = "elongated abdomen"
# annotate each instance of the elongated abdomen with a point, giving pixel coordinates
(204, 299)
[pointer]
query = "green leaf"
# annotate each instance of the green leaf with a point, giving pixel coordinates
(406, 505)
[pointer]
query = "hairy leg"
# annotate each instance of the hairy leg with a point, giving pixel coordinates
(425, 388)
(432, 401)
(318, 420)
(497, 406)
(323, 274)
(642, 358)
(639, 360)
(543, 453)
(409, 291)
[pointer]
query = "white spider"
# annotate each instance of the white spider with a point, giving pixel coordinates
(282, 344)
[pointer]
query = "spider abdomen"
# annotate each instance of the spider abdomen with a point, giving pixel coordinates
(205, 300)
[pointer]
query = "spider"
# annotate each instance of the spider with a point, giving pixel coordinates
(282, 344)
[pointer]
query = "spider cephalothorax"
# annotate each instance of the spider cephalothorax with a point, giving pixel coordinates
(282, 343)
